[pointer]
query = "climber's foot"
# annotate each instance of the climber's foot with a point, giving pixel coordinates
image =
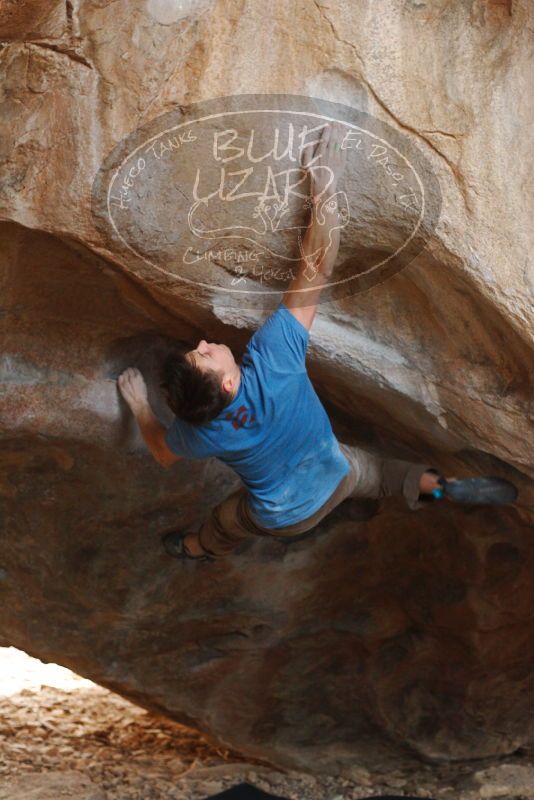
(185, 545)
(481, 491)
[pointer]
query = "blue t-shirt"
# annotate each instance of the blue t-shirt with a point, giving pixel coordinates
(275, 433)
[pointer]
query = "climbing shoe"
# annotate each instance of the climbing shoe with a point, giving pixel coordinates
(481, 491)
(175, 546)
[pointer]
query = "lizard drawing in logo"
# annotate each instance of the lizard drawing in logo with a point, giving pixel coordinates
(265, 216)
(268, 217)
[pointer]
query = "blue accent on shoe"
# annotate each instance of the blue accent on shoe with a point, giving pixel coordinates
(438, 493)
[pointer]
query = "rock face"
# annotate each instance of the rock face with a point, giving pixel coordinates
(406, 635)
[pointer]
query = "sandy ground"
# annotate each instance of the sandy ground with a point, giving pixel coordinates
(62, 737)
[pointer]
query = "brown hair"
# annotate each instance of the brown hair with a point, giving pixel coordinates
(194, 396)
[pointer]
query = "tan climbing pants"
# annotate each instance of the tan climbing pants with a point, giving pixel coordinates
(370, 476)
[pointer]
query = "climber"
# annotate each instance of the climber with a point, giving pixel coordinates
(264, 419)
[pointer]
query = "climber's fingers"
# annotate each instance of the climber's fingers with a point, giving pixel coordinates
(132, 385)
(128, 373)
(335, 158)
(308, 152)
(322, 147)
(313, 149)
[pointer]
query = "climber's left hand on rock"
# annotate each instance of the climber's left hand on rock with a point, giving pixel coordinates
(133, 388)
(326, 163)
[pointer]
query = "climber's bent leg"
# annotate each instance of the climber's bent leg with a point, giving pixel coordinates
(227, 525)
(231, 521)
(373, 476)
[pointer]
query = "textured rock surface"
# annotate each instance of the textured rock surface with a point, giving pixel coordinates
(48, 786)
(409, 633)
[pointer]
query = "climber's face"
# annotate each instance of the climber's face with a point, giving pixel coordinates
(211, 356)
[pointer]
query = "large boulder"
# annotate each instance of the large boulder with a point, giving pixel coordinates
(407, 635)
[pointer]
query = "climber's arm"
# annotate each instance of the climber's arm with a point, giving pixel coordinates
(324, 161)
(153, 432)
(319, 252)
(134, 391)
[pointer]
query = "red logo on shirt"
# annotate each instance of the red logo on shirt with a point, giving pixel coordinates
(241, 417)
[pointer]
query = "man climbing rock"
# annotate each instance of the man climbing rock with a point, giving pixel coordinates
(264, 419)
